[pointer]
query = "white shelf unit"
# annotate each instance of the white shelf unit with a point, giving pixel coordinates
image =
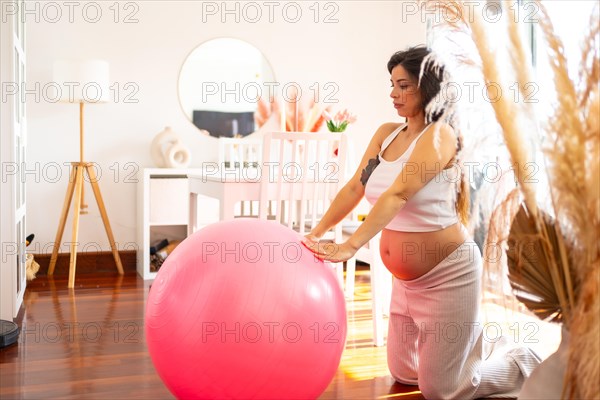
(163, 210)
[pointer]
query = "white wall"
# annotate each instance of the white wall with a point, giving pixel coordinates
(351, 53)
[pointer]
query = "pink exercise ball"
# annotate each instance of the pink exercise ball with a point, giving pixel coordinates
(241, 309)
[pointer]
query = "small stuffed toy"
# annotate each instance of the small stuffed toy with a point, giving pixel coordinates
(31, 267)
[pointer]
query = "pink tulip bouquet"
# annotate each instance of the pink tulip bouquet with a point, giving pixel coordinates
(340, 121)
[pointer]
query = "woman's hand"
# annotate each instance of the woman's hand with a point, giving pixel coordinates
(311, 238)
(329, 251)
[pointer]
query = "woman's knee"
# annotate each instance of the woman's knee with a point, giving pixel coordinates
(437, 389)
(444, 380)
(403, 372)
(402, 364)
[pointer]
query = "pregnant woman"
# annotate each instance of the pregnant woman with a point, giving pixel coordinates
(420, 204)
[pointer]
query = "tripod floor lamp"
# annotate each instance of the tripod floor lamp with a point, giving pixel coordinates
(83, 82)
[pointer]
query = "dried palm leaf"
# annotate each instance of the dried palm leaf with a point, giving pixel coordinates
(498, 229)
(499, 226)
(534, 277)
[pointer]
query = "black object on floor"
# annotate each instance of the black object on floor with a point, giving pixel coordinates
(9, 333)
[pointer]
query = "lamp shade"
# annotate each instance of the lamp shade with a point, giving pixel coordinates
(82, 81)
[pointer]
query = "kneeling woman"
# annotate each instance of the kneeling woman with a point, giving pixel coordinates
(408, 173)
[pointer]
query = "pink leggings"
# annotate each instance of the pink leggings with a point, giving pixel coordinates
(436, 338)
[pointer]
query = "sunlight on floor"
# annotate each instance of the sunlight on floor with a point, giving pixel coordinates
(396, 395)
(527, 330)
(361, 360)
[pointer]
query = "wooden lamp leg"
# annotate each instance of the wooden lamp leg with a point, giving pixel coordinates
(63, 219)
(83, 205)
(73, 246)
(98, 195)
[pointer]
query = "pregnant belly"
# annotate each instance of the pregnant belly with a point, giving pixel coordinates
(409, 255)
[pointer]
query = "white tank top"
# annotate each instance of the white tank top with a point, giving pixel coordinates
(432, 208)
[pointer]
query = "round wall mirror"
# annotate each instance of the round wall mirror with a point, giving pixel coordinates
(220, 84)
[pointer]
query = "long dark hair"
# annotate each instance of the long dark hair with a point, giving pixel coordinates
(432, 76)
(429, 85)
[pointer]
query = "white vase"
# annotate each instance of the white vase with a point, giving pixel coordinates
(546, 381)
(167, 151)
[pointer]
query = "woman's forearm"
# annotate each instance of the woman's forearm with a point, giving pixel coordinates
(343, 203)
(384, 210)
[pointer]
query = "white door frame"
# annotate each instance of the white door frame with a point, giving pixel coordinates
(13, 139)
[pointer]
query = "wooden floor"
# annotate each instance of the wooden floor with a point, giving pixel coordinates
(88, 343)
